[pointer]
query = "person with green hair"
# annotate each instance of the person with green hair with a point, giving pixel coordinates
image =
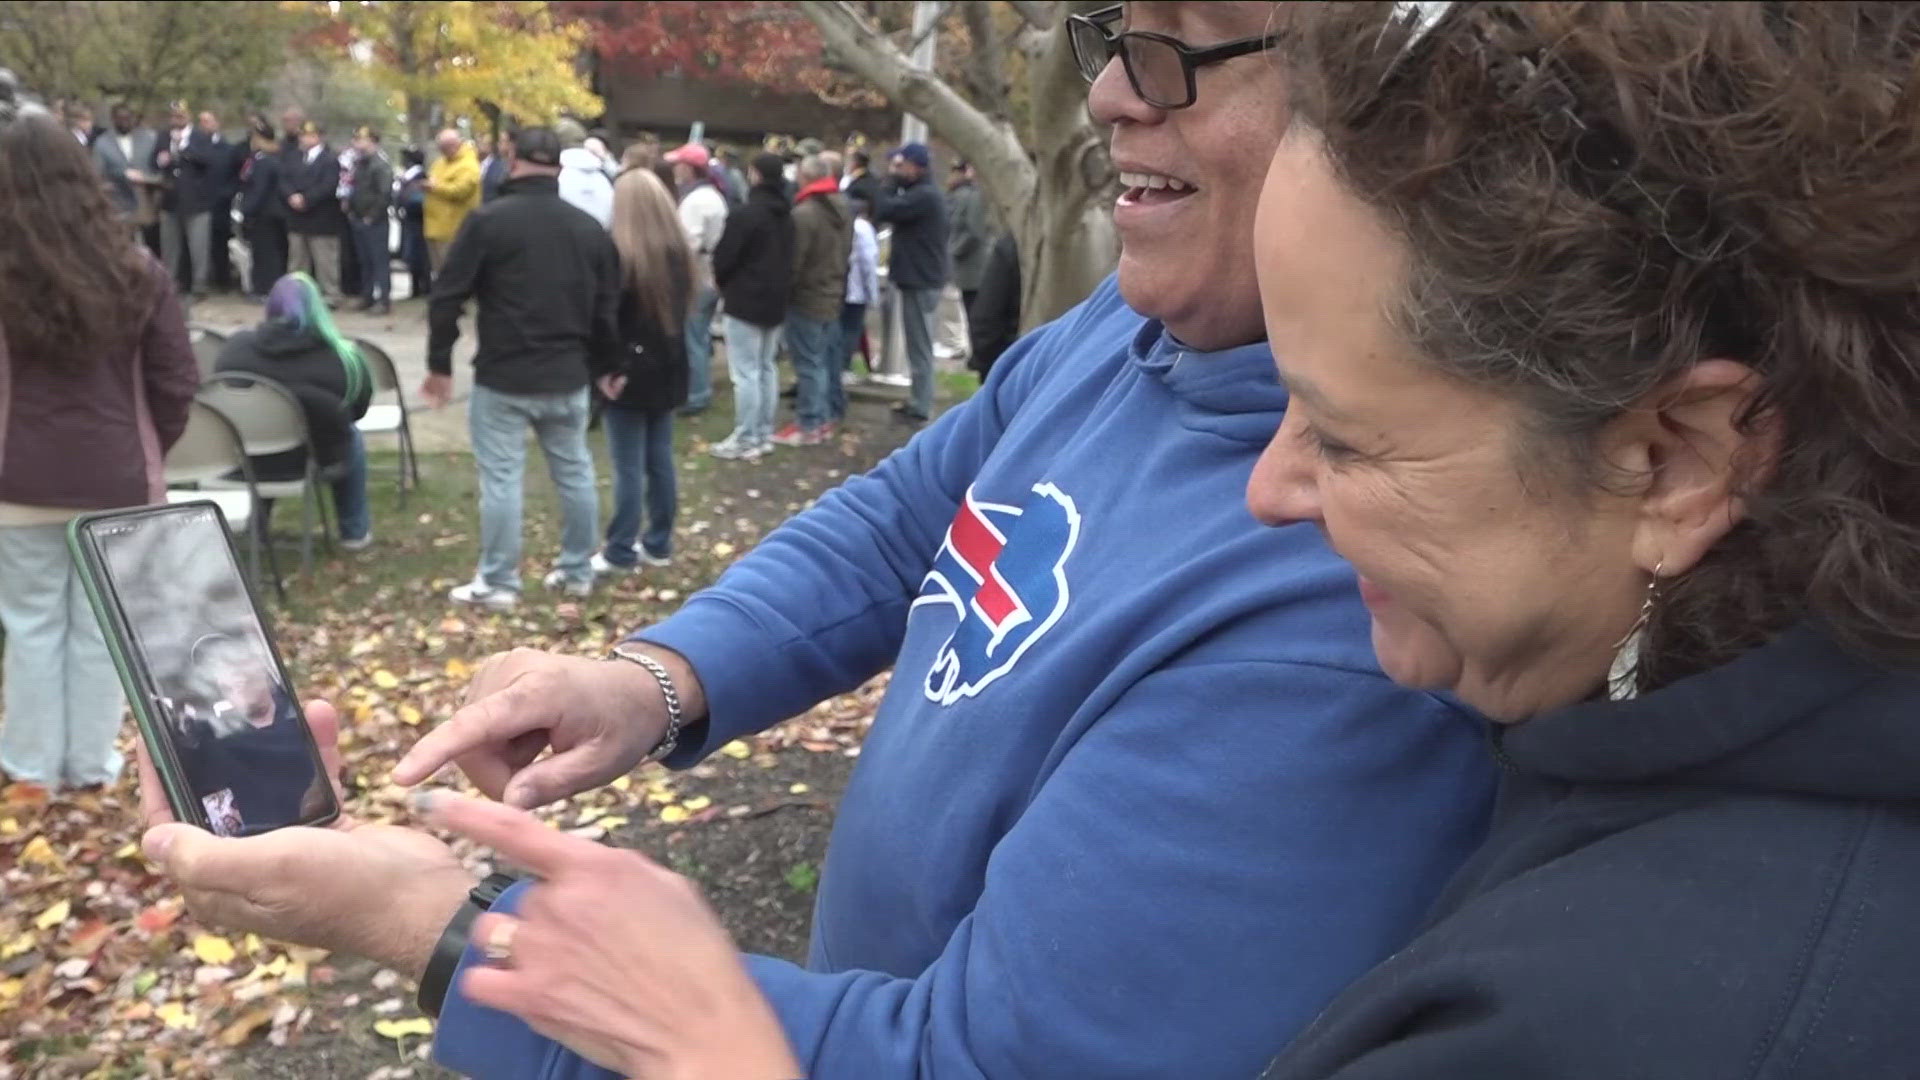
(298, 346)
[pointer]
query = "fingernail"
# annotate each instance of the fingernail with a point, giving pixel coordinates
(423, 801)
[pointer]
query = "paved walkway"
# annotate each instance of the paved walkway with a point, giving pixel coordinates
(403, 335)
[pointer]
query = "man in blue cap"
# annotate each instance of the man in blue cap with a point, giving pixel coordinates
(913, 205)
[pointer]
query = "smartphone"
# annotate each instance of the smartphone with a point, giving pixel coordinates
(208, 689)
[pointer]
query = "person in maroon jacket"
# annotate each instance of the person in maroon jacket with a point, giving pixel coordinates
(96, 375)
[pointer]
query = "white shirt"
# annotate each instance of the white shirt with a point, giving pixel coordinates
(583, 185)
(314, 151)
(126, 148)
(863, 266)
(703, 214)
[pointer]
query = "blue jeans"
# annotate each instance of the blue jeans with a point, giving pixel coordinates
(640, 444)
(499, 423)
(813, 344)
(349, 494)
(917, 308)
(700, 349)
(63, 701)
(853, 320)
(376, 263)
(756, 382)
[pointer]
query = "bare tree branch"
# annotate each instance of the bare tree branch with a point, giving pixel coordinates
(988, 142)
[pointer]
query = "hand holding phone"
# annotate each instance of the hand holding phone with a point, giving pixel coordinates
(214, 704)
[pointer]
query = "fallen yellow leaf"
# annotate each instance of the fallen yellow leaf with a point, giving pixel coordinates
(622, 783)
(10, 989)
(673, 815)
(251, 944)
(457, 668)
(213, 949)
(385, 680)
(242, 1029)
(612, 821)
(127, 851)
(175, 1015)
(410, 716)
(400, 1029)
(722, 549)
(8, 826)
(737, 750)
(696, 804)
(798, 789)
(39, 852)
(23, 943)
(54, 915)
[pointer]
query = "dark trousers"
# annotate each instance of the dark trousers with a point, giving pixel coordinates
(413, 252)
(350, 281)
(267, 238)
(376, 262)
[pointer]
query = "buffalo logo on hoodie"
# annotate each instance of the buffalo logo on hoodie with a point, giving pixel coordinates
(1002, 571)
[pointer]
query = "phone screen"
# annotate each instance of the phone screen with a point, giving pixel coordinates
(213, 688)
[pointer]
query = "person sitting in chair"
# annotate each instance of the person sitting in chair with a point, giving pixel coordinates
(298, 346)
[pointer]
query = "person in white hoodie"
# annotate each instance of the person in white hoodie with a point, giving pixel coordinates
(703, 214)
(583, 183)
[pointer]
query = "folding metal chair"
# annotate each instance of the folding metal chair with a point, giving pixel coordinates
(384, 417)
(270, 421)
(209, 450)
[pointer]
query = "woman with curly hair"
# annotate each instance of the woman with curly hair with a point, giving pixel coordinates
(1602, 328)
(96, 374)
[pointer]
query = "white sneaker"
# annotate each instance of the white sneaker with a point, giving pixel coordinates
(557, 580)
(601, 566)
(651, 559)
(734, 448)
(481, 594)
(361, 544)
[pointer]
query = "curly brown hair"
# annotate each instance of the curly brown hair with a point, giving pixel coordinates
(73, 285)
(1597, 196)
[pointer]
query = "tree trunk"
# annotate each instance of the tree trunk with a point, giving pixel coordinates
(1056, 210)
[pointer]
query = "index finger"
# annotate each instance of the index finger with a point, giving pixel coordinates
(514, 834)
(492, 720)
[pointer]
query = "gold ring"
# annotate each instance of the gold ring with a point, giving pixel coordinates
(498, 948)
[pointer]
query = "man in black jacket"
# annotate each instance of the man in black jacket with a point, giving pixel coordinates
(547, 280)
(367, 207)
(309, 187)
(753, 269)
(913, 205)
(187, 162)
(263, 218)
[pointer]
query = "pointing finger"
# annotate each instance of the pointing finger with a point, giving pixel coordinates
(478, 730)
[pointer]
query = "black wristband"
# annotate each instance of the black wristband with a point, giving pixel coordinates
(453, 943)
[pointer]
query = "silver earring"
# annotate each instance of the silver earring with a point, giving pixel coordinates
(1626, 652)
(1646, 606)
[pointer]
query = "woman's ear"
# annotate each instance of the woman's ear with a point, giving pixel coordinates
(1701, 452)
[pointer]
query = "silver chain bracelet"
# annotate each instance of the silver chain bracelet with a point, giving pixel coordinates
(674, 718)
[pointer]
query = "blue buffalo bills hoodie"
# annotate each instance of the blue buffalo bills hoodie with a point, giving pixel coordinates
(1138, 801)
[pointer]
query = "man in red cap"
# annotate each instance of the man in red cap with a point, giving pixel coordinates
(703, 213)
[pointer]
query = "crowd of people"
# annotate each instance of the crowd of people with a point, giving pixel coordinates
(1520, 684)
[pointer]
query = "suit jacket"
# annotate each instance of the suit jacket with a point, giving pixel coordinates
(192, 173)
(113, 164)
(319, 182)
(260, 198)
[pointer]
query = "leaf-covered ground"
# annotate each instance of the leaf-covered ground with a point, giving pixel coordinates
(102, 975)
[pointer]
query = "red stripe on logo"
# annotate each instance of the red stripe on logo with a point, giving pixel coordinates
(993, 601)
(973, 541)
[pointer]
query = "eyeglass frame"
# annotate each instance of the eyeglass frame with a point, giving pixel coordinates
(1192, 59)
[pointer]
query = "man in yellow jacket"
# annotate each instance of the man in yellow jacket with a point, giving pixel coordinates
(452, 192)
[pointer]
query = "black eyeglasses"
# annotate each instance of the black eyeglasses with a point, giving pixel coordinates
(1159, 67)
